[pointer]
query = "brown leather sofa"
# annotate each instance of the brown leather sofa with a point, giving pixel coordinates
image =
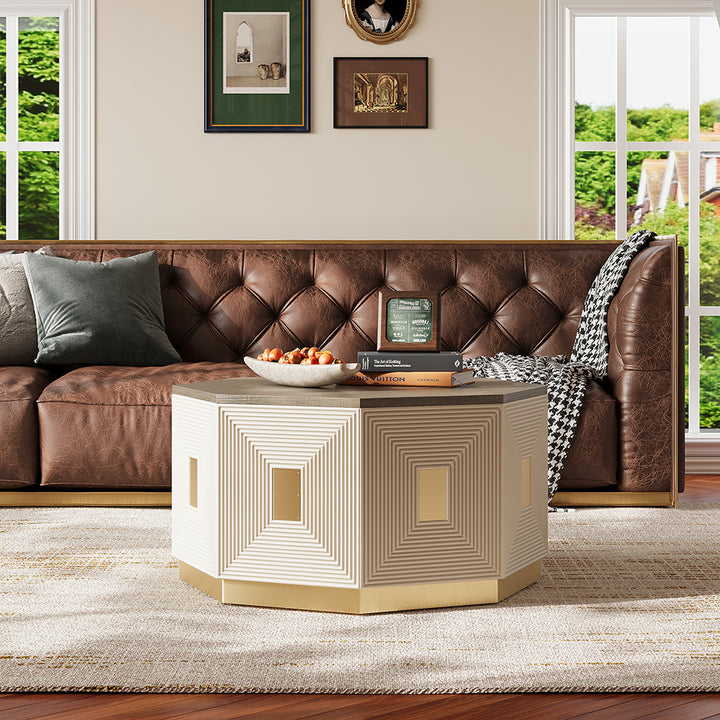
(108, 428)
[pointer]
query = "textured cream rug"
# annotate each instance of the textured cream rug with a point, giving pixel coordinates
(629, 600)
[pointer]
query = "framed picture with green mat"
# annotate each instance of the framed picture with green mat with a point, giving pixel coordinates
(257, 65)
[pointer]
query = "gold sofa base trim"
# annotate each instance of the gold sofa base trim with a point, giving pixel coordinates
(120, 498)
(613, 499)
(360, 601)
(82, 498)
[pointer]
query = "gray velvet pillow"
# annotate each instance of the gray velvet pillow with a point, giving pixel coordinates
(106, 313)
(18, 337)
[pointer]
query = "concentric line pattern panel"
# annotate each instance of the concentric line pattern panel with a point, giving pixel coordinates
(195, 529)
(321, 547)
(398, 547)
(525, 439)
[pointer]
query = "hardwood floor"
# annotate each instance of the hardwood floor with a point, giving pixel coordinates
(608, 706)
(701, 489)
(538, 706)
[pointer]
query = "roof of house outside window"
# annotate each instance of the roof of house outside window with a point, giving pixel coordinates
(668, 179)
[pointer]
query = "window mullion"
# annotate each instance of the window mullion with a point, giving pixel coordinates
(11, 131)
(33, 146)
(621, 132)
(694, 232)
(65, 209)
(567, 220)
(693, 316)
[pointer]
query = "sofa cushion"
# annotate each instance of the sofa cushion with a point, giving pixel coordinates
(17, 316)
(592, 459)
(20, 452)
(105, 427)
(99, 313)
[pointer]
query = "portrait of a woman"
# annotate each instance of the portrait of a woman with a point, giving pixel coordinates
(380, 16)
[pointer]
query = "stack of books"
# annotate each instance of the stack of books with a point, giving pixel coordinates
(414, 369)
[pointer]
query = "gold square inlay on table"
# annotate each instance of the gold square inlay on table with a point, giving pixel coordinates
(359, 500)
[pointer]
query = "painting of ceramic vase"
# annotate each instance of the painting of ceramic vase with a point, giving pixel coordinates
(276, 69)
(263, 71)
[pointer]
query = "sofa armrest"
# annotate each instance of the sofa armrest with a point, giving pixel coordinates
(646, 369)
(20, 388)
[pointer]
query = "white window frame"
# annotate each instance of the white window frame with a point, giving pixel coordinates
(77, 114)
(557, 162)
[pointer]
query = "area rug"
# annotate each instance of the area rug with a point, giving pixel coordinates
(629, 600)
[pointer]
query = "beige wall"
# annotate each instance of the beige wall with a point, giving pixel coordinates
(473, 175)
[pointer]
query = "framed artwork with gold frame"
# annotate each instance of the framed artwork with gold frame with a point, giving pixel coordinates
(408, 320)
(380, 21)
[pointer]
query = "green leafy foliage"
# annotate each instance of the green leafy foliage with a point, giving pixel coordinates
(594, 125)
(39, 81)
(709, 114)
(39, 190)
(39, 50)
(657, 124)
(591, 223)
(595, 181)
(38, 121)
(595, 171)
(710, 372)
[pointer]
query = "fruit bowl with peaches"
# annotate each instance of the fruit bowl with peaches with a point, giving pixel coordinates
(301, 367)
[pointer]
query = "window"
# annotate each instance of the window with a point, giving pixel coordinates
(244, 44)
(46, 128)
(632, 140)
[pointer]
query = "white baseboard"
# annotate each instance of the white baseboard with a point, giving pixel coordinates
(702, 456)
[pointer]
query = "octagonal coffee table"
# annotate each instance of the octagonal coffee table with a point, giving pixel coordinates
(356, 499)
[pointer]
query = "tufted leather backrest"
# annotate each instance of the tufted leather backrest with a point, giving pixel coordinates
(224, 301)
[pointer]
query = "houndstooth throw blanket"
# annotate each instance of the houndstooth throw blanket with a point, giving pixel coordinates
(566, 380)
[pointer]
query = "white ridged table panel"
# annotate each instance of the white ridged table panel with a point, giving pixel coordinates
(195, 483)
(321, 547)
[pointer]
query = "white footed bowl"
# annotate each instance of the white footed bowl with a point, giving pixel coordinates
(301, 375)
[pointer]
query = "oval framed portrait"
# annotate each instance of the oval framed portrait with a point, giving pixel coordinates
(380, 21)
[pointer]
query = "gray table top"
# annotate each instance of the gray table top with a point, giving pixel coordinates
(257, 391)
